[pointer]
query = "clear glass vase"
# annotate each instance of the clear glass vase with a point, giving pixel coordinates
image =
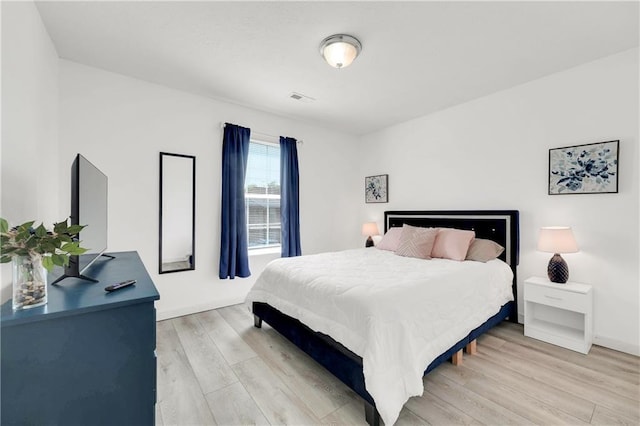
(29, 282)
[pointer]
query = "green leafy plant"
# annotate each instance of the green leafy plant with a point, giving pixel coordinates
(54, 247)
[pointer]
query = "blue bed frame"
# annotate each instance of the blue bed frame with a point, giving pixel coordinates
(501, 226)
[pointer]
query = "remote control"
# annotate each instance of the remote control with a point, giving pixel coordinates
(114, 287)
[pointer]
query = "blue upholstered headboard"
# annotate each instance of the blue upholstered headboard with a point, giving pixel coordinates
(501, 226)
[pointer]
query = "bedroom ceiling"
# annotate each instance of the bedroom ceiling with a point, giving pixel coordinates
(417, 57)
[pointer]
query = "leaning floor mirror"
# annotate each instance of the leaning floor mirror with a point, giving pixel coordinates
(177, 212)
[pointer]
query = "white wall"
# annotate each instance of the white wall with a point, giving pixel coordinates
(492, 153)
(121, 124)
(489, 153)
(29, 122)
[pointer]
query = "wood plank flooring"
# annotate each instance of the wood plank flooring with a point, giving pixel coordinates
(215, 368)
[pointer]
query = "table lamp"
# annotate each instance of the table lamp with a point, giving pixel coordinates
(369, 229)
(557, 239)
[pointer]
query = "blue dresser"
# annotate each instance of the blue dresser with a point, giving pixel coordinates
(87, 357)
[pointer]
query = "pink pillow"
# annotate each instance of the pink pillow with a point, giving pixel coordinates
(452, 243)
(390, 240)
(416, 242)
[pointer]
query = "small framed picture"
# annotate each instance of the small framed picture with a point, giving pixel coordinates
(376, 189)
(584, 169)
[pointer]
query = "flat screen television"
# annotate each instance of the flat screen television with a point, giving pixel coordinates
(89, 196)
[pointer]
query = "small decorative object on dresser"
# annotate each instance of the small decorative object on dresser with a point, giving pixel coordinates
(33, 252)
(370, 229)
(561, 315)
(584, 169)
(376, 189)
(557, 239)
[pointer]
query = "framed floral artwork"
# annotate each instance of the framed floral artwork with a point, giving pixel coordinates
(584, 169)
(376, 189)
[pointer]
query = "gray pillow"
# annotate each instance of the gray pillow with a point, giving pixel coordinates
(482, 250)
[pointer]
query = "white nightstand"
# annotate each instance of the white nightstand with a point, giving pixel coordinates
(561, 314)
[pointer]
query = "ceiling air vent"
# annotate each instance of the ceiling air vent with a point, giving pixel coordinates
(300, 97)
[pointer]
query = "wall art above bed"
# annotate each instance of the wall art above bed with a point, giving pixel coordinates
(376, 189)
(584, 169)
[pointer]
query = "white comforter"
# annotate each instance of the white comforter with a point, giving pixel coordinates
(397, 313)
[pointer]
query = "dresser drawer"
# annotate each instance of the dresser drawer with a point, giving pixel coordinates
(577, 302)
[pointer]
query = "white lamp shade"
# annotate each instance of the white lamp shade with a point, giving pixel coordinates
(369, 229)
(340, 55)
(557, 239)
(340, 50)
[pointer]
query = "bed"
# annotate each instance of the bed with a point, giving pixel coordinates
(342, 359)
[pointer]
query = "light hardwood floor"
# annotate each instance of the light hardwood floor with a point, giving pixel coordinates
(215, 368)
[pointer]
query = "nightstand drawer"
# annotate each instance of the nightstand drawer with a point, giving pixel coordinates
(577, 302)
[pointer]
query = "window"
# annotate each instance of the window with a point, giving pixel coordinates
(262, 195)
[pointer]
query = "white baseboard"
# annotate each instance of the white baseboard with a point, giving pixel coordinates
(188, 310)
(617, 345)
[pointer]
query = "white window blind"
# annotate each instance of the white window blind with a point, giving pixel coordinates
(262, 195)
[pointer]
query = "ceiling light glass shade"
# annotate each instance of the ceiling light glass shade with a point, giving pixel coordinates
(557, 239)
(340, 50)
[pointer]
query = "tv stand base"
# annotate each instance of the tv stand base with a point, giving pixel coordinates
(80, 276)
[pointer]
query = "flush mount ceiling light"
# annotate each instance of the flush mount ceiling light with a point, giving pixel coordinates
(339, 50)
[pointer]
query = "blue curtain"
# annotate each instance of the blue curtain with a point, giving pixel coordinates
(289, 197)
(234, 253)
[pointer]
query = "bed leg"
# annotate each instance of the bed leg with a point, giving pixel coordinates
(371, 414)
(257, 321)
(472, 347)
(456, 359)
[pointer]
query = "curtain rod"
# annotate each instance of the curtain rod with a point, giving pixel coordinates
(301, 142)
